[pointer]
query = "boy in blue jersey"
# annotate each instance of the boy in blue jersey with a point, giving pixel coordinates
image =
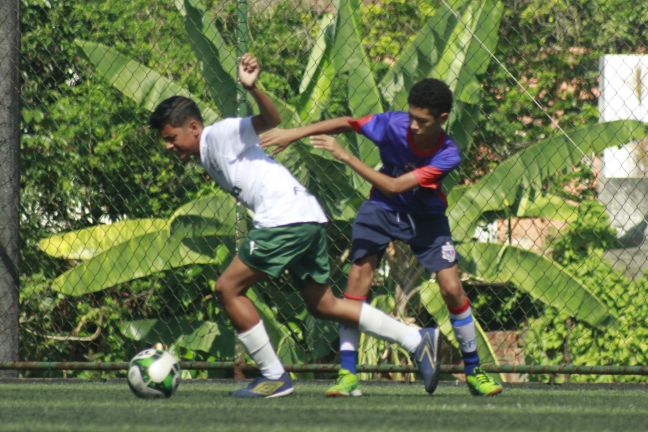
(406, 203)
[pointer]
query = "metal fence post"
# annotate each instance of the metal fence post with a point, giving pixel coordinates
(242, 31)
(242, 110)
(9, 179)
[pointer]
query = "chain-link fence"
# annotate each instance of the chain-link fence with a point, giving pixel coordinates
(121, 243)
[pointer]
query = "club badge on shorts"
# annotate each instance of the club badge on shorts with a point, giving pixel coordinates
(448, 252)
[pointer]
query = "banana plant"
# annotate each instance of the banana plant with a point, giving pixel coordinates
(108, 255)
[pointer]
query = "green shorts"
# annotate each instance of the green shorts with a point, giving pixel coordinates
(300, 248)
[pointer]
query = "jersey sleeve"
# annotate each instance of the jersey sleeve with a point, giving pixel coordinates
(233, 135)
(247, 136)
(431, 175)
(373, 126)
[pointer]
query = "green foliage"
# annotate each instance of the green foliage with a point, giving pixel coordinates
(557, 338)
(86, 158)
(388, 26)
(287, 38)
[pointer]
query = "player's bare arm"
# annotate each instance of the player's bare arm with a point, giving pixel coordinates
(386, 184)
(248, 74)
(282, 138)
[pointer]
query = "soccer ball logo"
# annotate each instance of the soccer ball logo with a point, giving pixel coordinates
(153, 373)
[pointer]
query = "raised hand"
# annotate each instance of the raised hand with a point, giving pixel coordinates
(248, 70)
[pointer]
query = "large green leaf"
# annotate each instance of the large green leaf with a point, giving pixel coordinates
(469, 47)
(212, 215)
(315, 87)
(89, 242)
(349, 58)
(139, 257)
(537, 276)
(547, 206)
(216, 58)
(214, 338)
(498, 189)
(136, 81)
(418, 58)
(462, 123)
(436, 306)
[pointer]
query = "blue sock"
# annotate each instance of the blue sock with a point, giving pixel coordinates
(471, 361)
(348, 360)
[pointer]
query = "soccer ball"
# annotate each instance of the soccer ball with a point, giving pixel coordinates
(153, 373)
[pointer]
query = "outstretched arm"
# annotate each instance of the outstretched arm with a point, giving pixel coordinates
(248, 73)
(386, 184)
(281, 138)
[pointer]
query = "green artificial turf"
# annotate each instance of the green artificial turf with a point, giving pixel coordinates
(203, 406)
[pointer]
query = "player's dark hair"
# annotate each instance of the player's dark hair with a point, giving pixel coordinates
(174, 111)
(432, 94)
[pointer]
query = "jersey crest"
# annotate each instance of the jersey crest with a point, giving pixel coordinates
(448, 252)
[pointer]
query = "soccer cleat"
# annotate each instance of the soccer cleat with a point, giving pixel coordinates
(426, 358)
(481, 384)
(263, 387)
(346, 385)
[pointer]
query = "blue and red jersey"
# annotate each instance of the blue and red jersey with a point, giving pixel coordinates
(391, 133)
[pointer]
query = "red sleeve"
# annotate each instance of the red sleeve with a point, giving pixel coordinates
(357, 124)
(429, 177)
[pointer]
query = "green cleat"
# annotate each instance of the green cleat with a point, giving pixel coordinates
(481, 384)
(346, 385)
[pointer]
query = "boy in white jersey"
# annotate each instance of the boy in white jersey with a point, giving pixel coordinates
(288, 233)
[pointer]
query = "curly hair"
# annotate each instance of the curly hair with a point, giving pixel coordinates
(432, 94)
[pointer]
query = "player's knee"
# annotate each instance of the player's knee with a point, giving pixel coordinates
(451, 289)
(323, 308)
(223, 290)
(359, 282)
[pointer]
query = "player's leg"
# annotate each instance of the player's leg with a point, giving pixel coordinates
(358, 286)
(463, 324)
(432, 244)
(231, 288)
(369, 242)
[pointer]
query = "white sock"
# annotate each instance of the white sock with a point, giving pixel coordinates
(257, 344)
(349, 338)
(378, 323)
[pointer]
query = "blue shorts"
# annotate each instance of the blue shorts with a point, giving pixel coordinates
(427, 235)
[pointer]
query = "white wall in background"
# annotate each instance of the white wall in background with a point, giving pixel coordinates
(624, 96)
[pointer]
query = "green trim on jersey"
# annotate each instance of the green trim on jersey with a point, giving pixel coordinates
(300, 248)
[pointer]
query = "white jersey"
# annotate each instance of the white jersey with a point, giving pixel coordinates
(230, 153)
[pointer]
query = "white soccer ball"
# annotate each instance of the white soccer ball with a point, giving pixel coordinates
(154, 373)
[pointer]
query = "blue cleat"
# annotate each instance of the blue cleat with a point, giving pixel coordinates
(263, 387)
(426, 357)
